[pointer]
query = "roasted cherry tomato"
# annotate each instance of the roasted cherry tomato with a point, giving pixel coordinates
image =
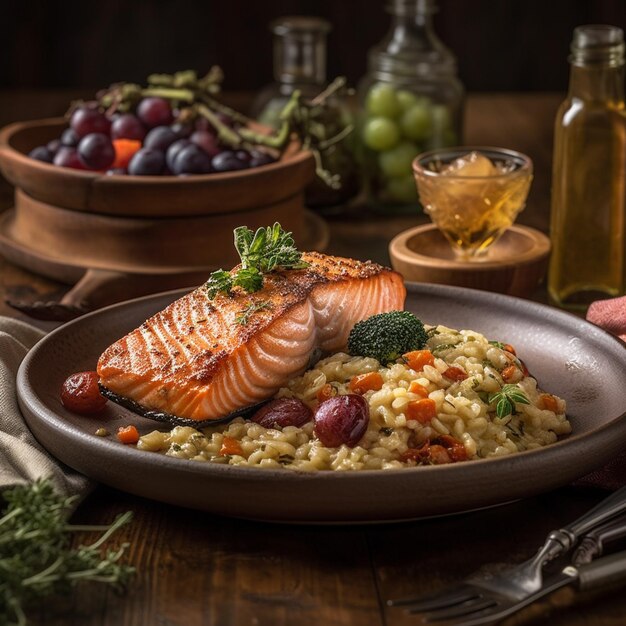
(80, 393)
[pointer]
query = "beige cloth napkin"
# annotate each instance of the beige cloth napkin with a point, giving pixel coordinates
(22, 459)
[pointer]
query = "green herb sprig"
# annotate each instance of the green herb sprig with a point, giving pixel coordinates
(36, 560)
(506, 398)
(244, 317)
(261, 252)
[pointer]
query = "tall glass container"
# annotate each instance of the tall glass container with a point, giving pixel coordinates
(300, 63)
(410, 101)
(589, 173)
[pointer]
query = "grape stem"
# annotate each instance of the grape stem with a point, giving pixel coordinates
(225, 134)
(186, 95)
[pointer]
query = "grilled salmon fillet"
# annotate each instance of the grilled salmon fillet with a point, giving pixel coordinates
(201, 359)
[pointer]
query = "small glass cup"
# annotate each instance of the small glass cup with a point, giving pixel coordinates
(472, 194)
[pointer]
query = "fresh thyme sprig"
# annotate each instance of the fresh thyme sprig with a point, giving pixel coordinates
(506, 398)
(244, 317)
(260, 252)
(36, 560)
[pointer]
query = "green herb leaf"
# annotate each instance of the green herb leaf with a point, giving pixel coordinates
(442, 347)
(219, 282)
(504, 407)
(261, 252)
(244, 317)
(249, 278)
(506, 399)
(497, 344)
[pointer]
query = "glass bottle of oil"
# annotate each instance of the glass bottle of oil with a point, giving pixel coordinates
(589, 171)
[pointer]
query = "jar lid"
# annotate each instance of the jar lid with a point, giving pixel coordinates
(300, 25)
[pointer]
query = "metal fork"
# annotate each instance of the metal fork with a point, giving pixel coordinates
(489, 592)
(606, 572)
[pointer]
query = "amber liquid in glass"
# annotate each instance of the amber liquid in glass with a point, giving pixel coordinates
(588, 190)
(474, 203)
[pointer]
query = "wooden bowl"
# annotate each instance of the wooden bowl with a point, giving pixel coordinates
(515, 265)
(143, 222)
(150, 196)
(139, 233)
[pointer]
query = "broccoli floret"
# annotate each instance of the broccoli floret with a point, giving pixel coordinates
(387, 336)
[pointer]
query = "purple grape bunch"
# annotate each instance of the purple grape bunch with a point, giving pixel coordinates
(151, 141)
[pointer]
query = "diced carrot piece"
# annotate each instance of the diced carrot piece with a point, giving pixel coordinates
(124, 151)
(418, 359)
(128, 434)
(325, 392)
(508, 373)
(421, 410)
(439, 455)
(418, 389)
(455, 373)
(230, 446)
(549, 402)
(372, 381)
(509, 348)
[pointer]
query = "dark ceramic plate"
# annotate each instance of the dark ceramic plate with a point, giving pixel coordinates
(569, 357)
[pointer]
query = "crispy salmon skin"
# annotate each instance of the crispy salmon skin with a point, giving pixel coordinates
(201, 359)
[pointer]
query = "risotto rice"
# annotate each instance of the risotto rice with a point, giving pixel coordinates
(465, 373)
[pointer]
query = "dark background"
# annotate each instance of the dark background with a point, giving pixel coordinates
(501, 45)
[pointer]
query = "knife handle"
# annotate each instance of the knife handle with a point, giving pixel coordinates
(603, 572)
(593, 544)
(609, 508)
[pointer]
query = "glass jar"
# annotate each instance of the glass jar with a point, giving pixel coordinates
(410, 101)
(300, 63)
(588, 220)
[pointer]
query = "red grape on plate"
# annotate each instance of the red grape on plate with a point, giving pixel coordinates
(86, 120)
(342, 419)
(68, 157)
(191, 160)
(283, 412)
(42, 153)
(96, 151)
(69, 138)
(160, 138)
(227, 161)
(155, 112)
(173, 150)
(127, 126)
(147, 162)
(207, 141)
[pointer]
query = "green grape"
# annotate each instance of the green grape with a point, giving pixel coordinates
(416, 123)
(382, 100)
(380, 133)
(443, 134)
(406, 99)
(440, 117)
(402, 189)
(397, 161)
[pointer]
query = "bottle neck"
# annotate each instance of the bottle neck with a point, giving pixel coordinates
(411, 46)
(300, 50)
(598, 82)
(597, 61)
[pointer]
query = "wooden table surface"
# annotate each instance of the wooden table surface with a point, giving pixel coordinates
(199, 569)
